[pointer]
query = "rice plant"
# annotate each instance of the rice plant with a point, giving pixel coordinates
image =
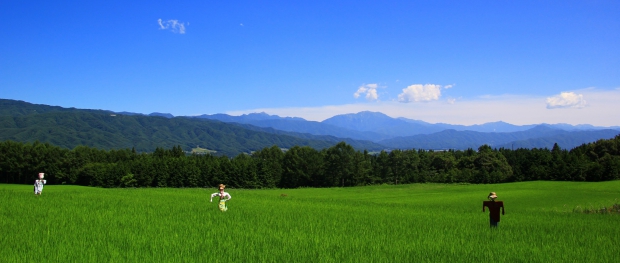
(403, 223)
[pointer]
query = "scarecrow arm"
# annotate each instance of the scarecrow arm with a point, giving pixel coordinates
(214, 195)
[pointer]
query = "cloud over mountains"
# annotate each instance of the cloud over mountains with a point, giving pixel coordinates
(566, 100)
(369, 89)
(419, 92)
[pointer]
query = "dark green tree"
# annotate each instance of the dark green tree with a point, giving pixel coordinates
(340, 165)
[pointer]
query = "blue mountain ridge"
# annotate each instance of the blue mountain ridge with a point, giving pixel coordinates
(402, 133)
(363, 128)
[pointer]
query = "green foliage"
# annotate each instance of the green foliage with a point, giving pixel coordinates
(100, 148)
(339, 165)
(70, 128)
(302, 166)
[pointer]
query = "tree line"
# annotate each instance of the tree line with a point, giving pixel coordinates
(340, 165)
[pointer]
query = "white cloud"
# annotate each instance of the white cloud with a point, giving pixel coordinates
(602, 110)
(566, 100)
(370, 90)
(419, 92)
(174, 25)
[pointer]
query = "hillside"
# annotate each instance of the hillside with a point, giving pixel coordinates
(231, 135)
(297, 125)
(541, 136)
(25, 122)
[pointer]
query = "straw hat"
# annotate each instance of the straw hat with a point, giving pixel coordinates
(492, 195)
(222, 186)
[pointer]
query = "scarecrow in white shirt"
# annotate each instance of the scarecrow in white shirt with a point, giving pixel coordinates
(224, 196)
(38, 184)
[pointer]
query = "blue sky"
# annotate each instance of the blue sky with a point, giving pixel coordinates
(458, 62)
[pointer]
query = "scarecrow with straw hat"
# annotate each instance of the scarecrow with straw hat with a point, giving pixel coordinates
(494, 207)
(224, 196)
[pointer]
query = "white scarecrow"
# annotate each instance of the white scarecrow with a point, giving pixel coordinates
(38, 184)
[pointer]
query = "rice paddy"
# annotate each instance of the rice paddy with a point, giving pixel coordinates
(403, 223)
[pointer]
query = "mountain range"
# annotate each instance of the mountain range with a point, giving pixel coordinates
(402, 133)
(381, 125)
(230, 135)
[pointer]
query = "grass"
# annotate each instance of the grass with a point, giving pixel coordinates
(613, 209)
(405, 223)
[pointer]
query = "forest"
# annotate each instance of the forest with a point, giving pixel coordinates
(302, 166)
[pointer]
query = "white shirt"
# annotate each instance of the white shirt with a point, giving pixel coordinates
(38, 184)
(225, 196)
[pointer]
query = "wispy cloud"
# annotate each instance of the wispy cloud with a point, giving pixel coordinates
(566, 100)
(419, 92)
(173, 25)
(370, 90)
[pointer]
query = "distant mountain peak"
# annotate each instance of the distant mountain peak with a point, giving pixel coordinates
(363, 114)
(545, 128)
(363, 121)
(247, 118)
(263, 114)
(166, 115)
(372, 113)
(498, 122)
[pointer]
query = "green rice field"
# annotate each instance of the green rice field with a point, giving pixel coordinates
(404, 223)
